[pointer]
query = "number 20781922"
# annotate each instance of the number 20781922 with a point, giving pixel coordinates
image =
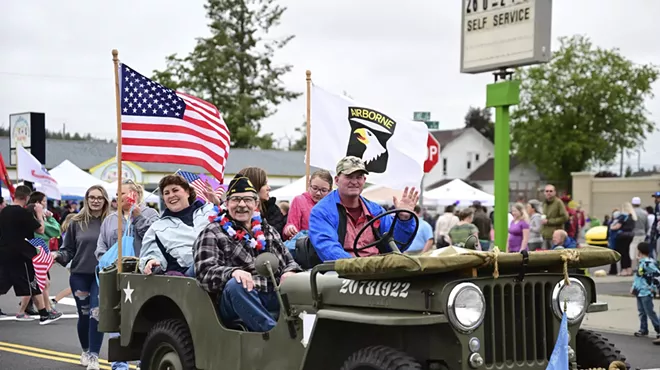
(393, 289)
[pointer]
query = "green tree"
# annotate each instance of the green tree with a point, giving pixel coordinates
(581, 109)
(629, 171)
(482, 121)
(234, 69)
(301, 142)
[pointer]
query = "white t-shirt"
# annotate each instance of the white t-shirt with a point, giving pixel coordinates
(651, 219)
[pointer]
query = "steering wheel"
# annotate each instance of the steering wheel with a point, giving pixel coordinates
(389, 235)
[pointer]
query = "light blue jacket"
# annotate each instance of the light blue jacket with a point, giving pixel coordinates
(175, 236)
(108, 235)
(644, 275)
(324, 223)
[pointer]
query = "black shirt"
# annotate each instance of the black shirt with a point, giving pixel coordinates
(16, 225)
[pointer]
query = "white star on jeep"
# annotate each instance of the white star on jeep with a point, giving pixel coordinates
(129, 293)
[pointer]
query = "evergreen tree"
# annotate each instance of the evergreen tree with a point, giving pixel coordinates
(233, 68)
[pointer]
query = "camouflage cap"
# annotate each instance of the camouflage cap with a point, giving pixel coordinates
(351, 164)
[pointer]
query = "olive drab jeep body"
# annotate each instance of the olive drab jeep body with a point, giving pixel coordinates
(483, 317)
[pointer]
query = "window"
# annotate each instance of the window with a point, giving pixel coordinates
(476, 157)
(469, 165)
(444, 166)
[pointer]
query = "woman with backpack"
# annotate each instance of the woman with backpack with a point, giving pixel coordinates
(136, 214)
(78, 249)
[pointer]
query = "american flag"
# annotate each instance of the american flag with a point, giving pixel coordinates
(162, 125)
(42, 262)
(199, 185)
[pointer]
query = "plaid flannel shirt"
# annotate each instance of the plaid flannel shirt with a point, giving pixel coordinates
(217, 256)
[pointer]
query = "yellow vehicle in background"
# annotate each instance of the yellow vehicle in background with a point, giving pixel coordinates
(597, 236)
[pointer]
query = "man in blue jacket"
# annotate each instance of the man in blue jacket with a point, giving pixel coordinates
(335, 220)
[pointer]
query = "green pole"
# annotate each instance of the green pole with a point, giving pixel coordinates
(501, 95)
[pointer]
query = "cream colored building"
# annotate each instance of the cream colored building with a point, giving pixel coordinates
(599, 196)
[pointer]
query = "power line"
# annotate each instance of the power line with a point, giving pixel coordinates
(17, 74)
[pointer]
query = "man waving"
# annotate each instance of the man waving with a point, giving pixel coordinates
(335, 220)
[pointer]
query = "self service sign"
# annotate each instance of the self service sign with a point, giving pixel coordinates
(500, 34)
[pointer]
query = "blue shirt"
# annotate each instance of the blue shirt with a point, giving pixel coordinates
(646, 272)
(424, 234)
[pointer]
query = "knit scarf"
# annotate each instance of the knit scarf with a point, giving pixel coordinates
(258, 241)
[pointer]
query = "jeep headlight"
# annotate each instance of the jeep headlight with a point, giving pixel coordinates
(466, 307)
(573, 296)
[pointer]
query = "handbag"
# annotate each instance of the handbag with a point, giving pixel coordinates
(112, 255)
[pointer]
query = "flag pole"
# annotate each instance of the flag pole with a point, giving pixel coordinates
(309, 127)
(120, 216)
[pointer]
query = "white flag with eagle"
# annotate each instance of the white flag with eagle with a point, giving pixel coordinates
(393, 149)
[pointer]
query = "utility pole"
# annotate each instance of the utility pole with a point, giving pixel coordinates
(621, 164)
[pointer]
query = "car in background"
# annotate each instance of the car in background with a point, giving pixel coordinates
(597, 236)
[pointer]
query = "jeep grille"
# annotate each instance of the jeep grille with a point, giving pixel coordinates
(518, 326)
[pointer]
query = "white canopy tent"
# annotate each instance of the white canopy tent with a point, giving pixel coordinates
(74, 182)
(458, 191)
(288, 192)
(381, 194)
(5, 194)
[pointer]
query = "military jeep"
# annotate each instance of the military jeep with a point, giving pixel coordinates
(451, 308)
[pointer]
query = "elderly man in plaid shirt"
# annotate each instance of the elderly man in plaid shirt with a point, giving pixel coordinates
(225, 253)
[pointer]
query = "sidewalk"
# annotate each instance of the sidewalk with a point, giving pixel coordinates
(621, 316)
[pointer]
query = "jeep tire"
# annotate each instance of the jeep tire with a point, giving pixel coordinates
(380, 358)
(593, 350)
(168, 346)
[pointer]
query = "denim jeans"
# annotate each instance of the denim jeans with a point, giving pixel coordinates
(86, 294)
(191, 271)
(253, 308)
(645, 310)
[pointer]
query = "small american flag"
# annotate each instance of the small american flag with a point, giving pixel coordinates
(166, 126)
(42, 262)
(198, 183)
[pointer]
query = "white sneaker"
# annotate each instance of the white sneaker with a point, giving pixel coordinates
(84, 359)
(93, 363)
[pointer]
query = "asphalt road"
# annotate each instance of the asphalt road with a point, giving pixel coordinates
(27, 345)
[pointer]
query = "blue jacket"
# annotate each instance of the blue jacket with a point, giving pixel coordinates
(569, 243)
(324, 226)
(646, 277)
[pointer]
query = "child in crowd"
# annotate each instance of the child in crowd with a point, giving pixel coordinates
(644, 285)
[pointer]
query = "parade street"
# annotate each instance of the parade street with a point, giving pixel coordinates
(27, 345)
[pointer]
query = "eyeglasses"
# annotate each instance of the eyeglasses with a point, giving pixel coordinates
(237, 200)
(128, 181)
(95, 199)
(316, 189)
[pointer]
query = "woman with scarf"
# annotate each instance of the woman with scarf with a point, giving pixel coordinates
(167, 245)
(267, 204)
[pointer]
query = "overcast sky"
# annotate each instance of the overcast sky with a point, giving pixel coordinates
(55, 55)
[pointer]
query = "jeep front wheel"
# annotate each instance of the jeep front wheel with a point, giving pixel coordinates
(168, 346)
(380, 358)
(593, 350)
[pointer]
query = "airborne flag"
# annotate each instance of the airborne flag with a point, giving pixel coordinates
(393, 149)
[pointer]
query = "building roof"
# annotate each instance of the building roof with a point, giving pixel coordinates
(486, 172)
(445, 137)
(87, 154)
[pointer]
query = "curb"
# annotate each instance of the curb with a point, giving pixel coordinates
(606, 330)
